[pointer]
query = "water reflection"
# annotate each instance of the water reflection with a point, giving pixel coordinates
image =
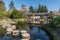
(35, 33)
(38, 33)
(2, 35)
(31, 27)
(39, 29)
(9, 38)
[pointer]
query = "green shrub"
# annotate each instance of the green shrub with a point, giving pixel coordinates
(55, 22)
(1, 31)
(50, 31)
(21, 25)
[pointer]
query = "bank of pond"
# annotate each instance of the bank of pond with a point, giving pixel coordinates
(34, 31)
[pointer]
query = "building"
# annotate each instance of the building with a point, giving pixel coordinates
(37, 17)
(55, 14)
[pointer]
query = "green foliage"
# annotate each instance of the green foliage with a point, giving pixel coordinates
(51, 11)
(31, 9)
(14, 14)
(2, 10)
(3, 15)
(2, 6)
(8, 14)
(56, 22)
(21, 25)
(50, 31)
(11, 6)
(1, 31)
(42, 9)
(17, 15)
(22, 15)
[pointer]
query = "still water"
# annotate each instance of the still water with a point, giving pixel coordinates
(35, 33)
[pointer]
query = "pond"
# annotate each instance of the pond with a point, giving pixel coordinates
(35, 33)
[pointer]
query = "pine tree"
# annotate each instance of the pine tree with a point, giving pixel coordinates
(31, 9)
(2, 10)
(38, 11)
(42, 9)
(14, 14)
(11, 5)
(2, 6)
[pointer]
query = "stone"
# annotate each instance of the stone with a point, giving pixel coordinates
(9, 30)
(23, 31)
(13, 27)
(15, 33)
(26, 35)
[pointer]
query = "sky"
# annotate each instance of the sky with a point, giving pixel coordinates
(52, 5)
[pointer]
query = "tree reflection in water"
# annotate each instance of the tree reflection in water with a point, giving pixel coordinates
(39, 29)
(35, 33)
(31, 27)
